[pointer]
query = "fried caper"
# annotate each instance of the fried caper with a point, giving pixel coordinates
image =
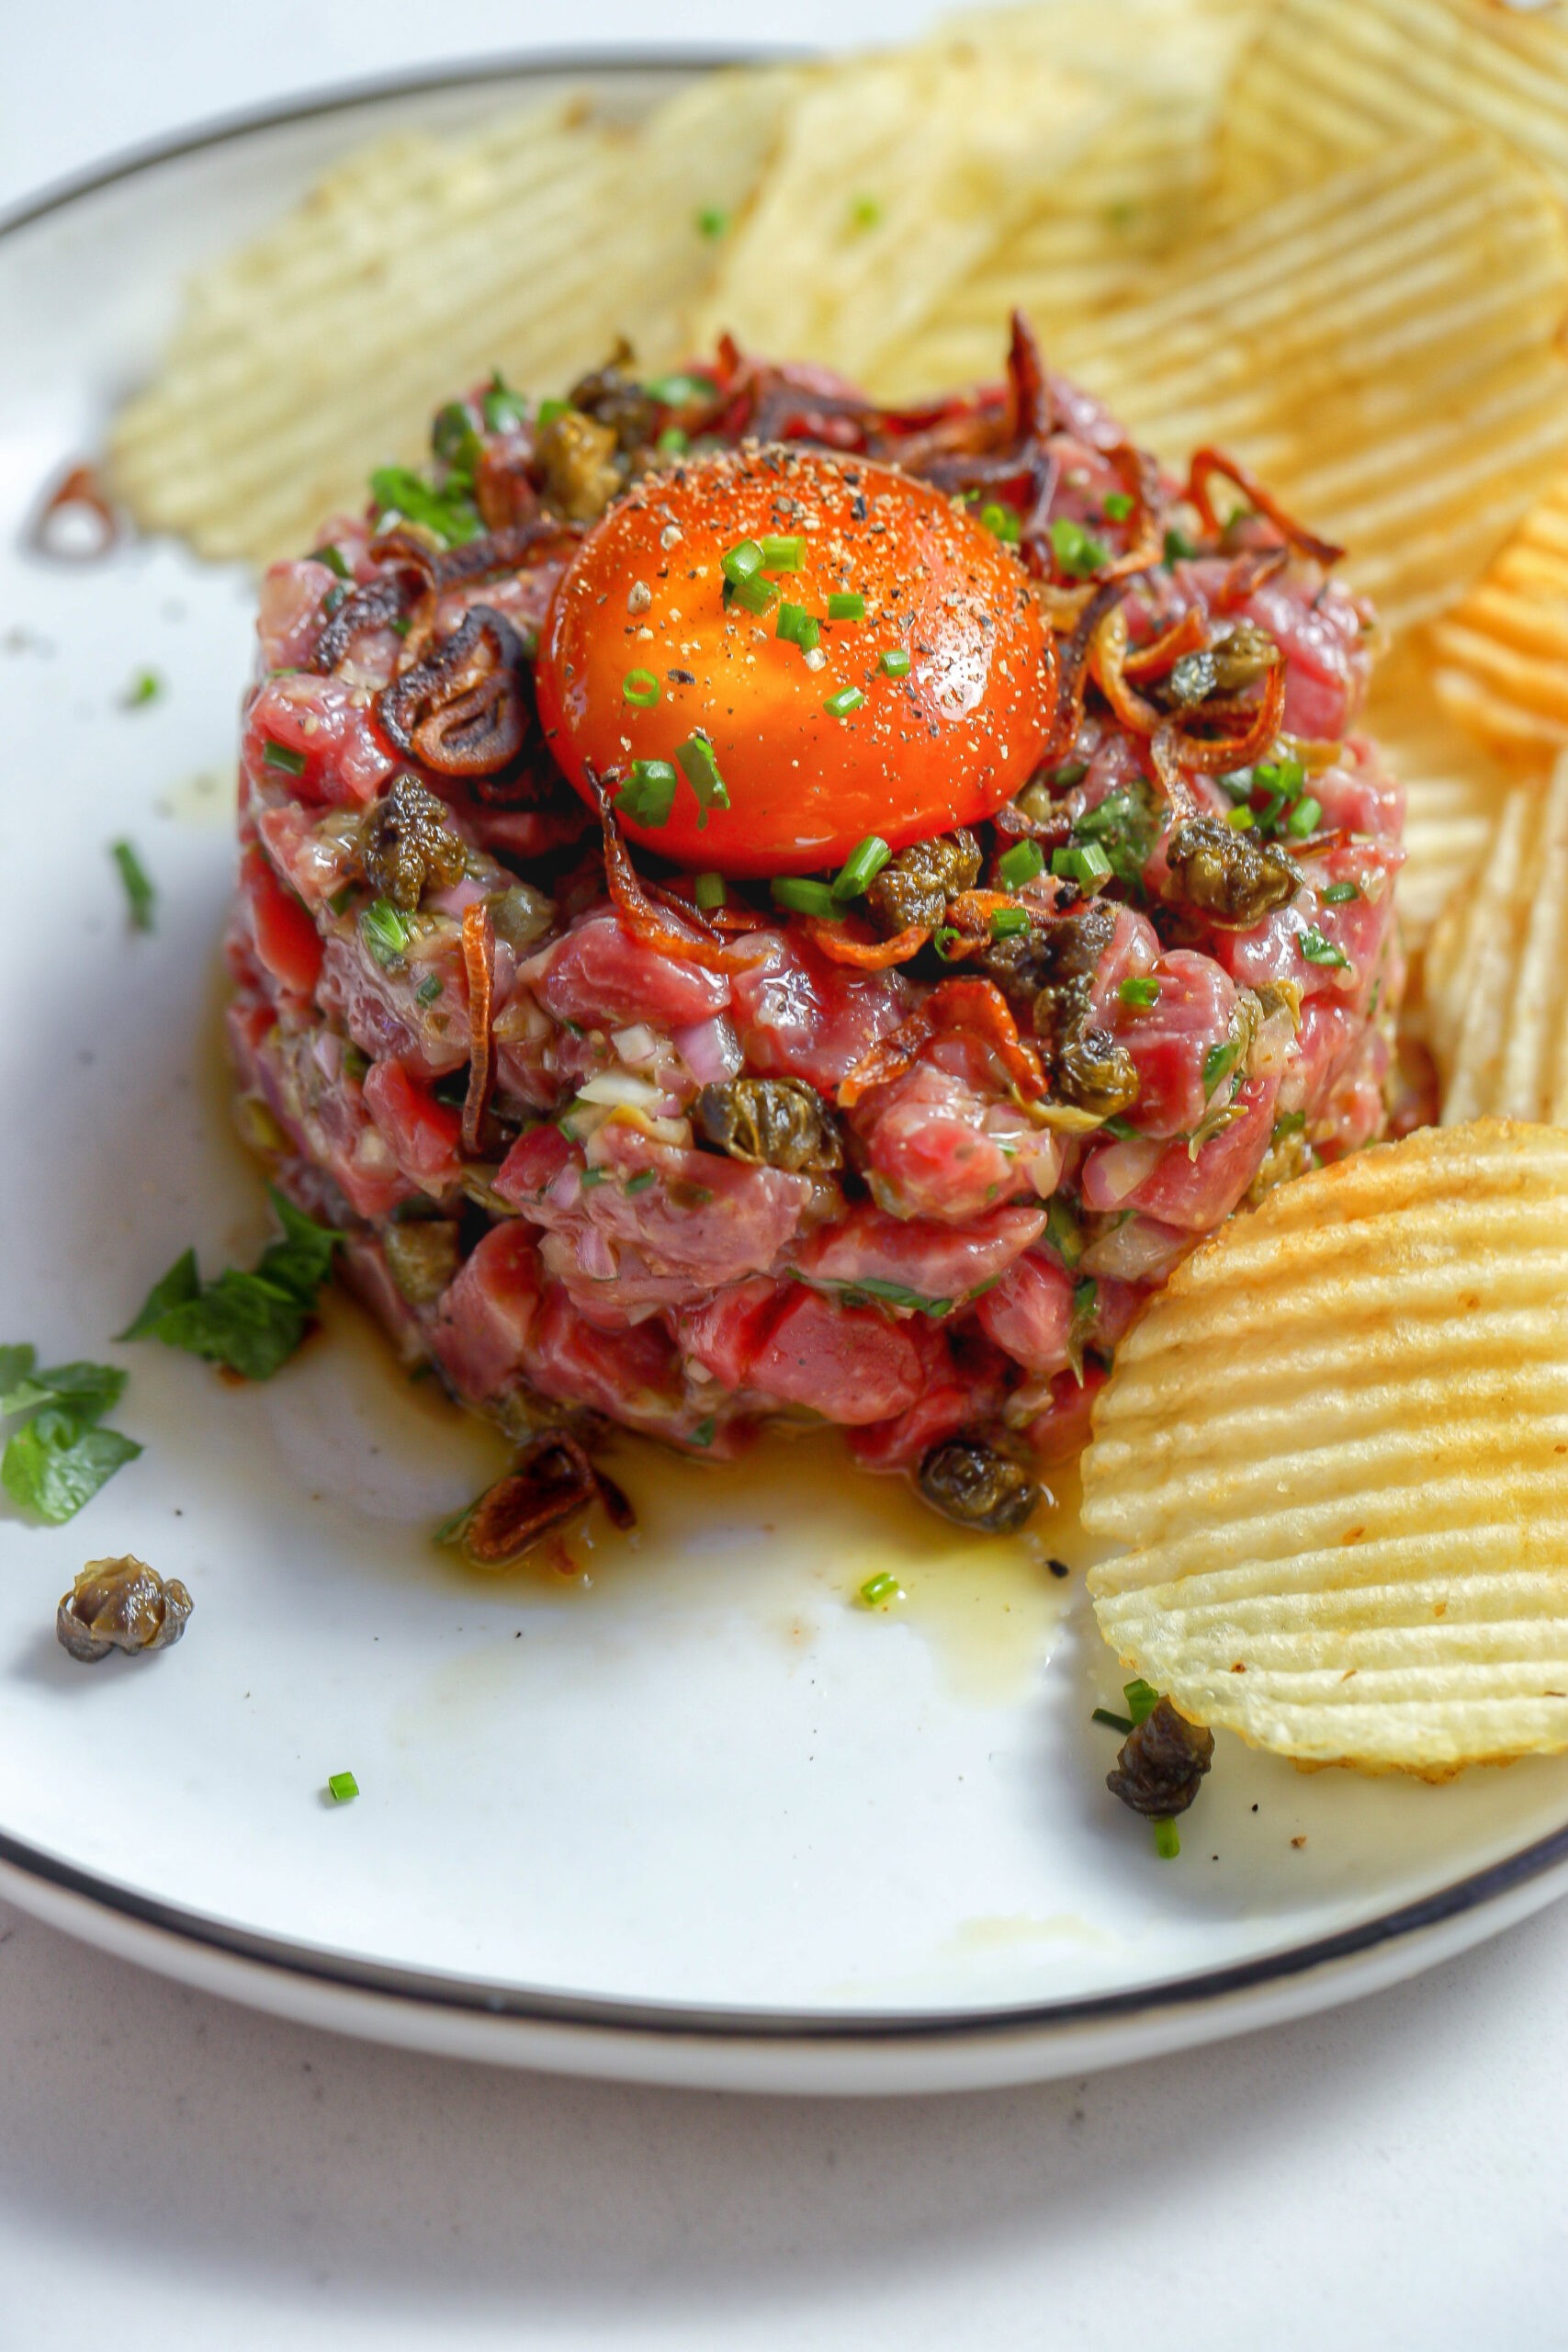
(578, 456)
(1161, 1764)
(422, 1256)
(772, 1122)
(406, 845)
(915, 886)
(971, 1482)
(120, 1605)
(613, 397)
(1233, 877)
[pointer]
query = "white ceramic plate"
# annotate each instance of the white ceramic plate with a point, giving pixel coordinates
(691, 1813)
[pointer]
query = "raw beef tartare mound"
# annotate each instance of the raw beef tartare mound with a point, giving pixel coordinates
(754, 906)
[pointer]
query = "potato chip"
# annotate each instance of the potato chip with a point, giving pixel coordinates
(1133, 193)
(1337, 1445)
(1502, 651)
(1330, 80)
(894, 175)
(415, 267)
(1497, 973)
(1454, 789)
(1380, 347)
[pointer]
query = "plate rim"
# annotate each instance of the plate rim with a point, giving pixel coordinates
(335, 1974)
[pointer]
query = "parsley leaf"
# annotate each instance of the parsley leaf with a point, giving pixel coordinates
(252, 1322)
(52, 1465)
(60, 1458)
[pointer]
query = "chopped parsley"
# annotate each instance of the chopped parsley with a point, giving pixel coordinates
(251, 1322)
(61, 1455)
(139, 892)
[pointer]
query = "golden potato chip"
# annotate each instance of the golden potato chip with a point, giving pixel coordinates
(1330, 80)
(414, 268)
(1337, 1445)
(1381, 348)
(1502, 651)
(1496, 971)
(1454, 788)
(1133, 193)
(894, 175)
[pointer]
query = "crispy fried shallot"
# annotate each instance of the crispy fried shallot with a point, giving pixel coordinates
(1206, 463)
(464, 710)
(550, 1482)
(478, 965)
(638, 910)
(842, 947)
(77, 522)
(971, 1007)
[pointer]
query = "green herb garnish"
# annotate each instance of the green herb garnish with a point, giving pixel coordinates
(449, 513)
(1140, 992)
(797, 627)
(1118, 504)
(1318, 950)
(59, 1457)
(251, 1322)
(140, 893)
(342, 1787)
(504, 408)
(1009, 922)
(713, 220)
(708, 891)
(1002, 524)
(895, 662)
(1124, 826)
(1019, 864)
(782, 553)
(1168, 1839)
(640, 688)
(880, 1588)
(1142, 1698)
(839, 706)
(799, 896)
(1339, 894)
(1219, 1062)
(1078, 552)
(846, 605)
(700, 769)
(386, 931)
(1123, 1723)
(1178, 547)
(333, 558)
(429, 988)
(1084, 863)
(282, 755)
(861, 867)
(649, 793)
(144, 687)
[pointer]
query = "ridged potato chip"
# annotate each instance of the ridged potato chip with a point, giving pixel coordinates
(416, 267)
(1337, 1445)
(894, 175)
(1330, 80)
(1496, 970)
(1381, 348)
(1503, 651)
(1454, 789)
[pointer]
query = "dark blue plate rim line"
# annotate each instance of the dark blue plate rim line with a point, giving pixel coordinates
(668, 2018)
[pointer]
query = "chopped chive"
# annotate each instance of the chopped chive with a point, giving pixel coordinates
(1142, 1698)
(332, 603)
(712, 220)
(333, 558)
(385, 932)
(1241, 821)
(880, 1587)
(1339, 894)
(1219, 1062)
(342, 1787)
(641, 1181)
(341, 900)
(839, 706)
(673, 442)
(1077, 551)
(701, 772)
(139, 890)
(1318, 950)
(1118, 504)
(429, 988)
(741, 562)
(1167, 1839)
(1302, 818)
(1123, 1723)
(1178, 547)
(1084, 863)
(679, 390)
(640, 688)
(280, 756)
(146, 686)
(944, 939)
(755, 592)
(846, 605)
(797, 627)
(782, 553)
(703, 1432)
(649, 793)
(592, 1176)
(551, 410)
(1141, 991)
(708, 890)
(866, 212)
(503, 407)
(894, 663)
(802, 897)
(861, 867)
(1009, 922)
(1001, 523)
(1019, 864)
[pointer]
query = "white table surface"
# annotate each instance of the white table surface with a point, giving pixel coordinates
(175, 2171)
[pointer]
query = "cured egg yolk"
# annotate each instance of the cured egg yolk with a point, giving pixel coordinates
(767, 654)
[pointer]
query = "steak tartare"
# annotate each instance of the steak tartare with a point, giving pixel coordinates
(755, 906)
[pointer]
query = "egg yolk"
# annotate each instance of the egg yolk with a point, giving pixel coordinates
(868, 659)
